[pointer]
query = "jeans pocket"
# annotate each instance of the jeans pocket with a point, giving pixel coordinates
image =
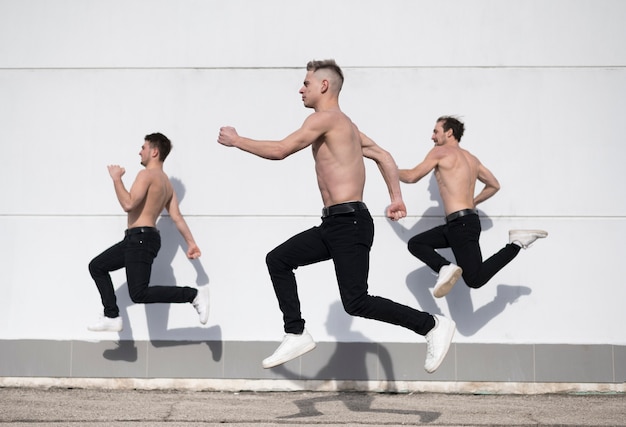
(142, 247)
(364, 229)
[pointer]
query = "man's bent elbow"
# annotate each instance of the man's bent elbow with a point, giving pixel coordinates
(407, 178)
(127, 207)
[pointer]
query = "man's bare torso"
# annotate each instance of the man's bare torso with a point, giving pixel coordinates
(158, 194)
(456, 175)
(339, 160)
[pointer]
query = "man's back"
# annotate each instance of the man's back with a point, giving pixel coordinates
(158, 192)
(456, 173)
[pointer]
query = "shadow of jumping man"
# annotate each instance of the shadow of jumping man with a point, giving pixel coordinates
(349, 362)
(360, 402)
(469, 320)
(158, 314)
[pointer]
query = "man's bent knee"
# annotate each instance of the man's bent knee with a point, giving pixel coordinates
(275, 261)
(355, 307)
(95, 269)
(473, 283)
(138, 297)
(271, 260)
(416, 248)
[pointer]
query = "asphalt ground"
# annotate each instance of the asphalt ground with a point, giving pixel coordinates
(105, 407)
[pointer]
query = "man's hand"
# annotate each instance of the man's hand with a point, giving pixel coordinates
(396, 210)
(116, 171)
(228, 135)
(193, 252)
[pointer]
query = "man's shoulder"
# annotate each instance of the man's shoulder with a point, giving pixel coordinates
(440, 151)
(449, 150)
(154, 171)
(327, 115)
(446, 156)
(325, 121)
(152, 175)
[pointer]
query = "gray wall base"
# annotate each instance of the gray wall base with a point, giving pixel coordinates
(341, 366)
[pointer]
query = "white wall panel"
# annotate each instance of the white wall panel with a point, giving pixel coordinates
(270, 33)
(544, 133)
(565, 289)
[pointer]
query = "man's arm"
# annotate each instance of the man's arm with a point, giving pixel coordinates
(193, 251)
(312, 128)
(411, 176)
(491, 184)
(129, 200)
(389, 171)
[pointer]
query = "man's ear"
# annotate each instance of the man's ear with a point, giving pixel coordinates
(154, 153)
(325, 86)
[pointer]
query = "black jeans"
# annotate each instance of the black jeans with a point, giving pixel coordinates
(461, 235)
(346, 239)
(136, 253)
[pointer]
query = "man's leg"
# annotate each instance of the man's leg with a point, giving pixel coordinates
(302, 249)
(350, 239)
(110, 260)
(491, 266)
(423, 247)
(464, 234)
(141, 249)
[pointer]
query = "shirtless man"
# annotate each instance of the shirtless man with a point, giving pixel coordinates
(347, 231)
(151, 192)
(457, 171)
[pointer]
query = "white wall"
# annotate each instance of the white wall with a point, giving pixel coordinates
(540, 84)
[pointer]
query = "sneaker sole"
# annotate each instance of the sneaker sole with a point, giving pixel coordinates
(444, 288)
(292, 356)
(524, 234)
(539, 233)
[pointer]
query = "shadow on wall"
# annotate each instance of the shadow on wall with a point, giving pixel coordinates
(349, 358)
(158, 314)
(420, 282)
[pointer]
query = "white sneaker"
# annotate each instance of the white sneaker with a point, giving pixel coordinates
(201, 304)
(438, 342)
(106, 324)
(525, 238)
(293, 346)
(448, 275)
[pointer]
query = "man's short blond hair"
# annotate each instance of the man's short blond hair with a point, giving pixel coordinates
(330, 65)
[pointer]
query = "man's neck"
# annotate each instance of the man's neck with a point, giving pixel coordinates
(331, 104)
(154, 165)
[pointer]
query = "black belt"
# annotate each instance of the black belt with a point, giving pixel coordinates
(139, 230)
(343, 208)
(459, 214)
